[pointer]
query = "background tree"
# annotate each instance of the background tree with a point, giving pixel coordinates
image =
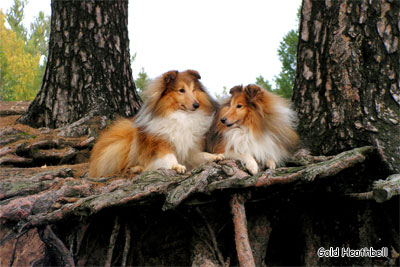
(23, 53)
(141, 82)
(38, 40)
(347, 85)
(287, 53)
(88, 70)
(264, 83)
(224, 94)
(15, 17)
(20, 76)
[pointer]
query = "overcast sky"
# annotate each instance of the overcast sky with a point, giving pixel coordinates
(229, 42)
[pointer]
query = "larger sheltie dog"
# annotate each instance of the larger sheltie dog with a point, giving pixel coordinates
(253, 126)
(168, 132)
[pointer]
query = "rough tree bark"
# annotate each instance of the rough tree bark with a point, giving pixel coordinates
(347, 83)
(88, 70)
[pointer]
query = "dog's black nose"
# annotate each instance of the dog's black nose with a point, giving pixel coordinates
(196, 105)
(223, 120)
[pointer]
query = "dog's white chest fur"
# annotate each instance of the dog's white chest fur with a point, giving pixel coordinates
(262, 148)
(183, 130)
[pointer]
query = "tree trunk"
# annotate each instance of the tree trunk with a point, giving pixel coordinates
(346, 90)
(88, 70)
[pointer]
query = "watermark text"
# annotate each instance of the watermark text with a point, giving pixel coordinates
(353, 253)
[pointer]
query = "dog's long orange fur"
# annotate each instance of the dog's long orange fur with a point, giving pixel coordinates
(168, 132)
(254, 126)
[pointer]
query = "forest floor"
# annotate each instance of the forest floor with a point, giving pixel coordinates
(37, 149)
(17, 107)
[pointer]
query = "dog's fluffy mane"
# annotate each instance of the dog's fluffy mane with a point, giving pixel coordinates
(185, 131)
(267, 132)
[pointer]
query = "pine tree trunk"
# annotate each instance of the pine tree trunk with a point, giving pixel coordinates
(88, 69)
(347, 83)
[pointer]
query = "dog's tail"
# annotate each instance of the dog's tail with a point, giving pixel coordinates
(112, 152)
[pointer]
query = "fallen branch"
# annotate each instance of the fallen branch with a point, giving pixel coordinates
(386, 189)
(243, 249)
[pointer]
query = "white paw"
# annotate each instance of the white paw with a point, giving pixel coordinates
(136, 169)
(179, 168)
(271, 164)
(218, 157)
(252, 167)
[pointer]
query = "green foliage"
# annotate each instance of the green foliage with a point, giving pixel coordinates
(18, 69)
(141, 81)
(15, 16)
(287, 53)
(39, 36)
(21, 52)
(224, 94)
(264, 83)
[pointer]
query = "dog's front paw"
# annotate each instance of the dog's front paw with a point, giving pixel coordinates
(179, 168)
(218, 157)
(136, 170)
(252, 167)
(271, 164)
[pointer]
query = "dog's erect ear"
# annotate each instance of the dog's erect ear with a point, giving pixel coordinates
(236, 89)
(251, 91)
(170, 76)
(194, 73)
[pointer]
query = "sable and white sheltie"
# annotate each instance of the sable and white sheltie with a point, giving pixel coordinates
(168, 132)
(253, 126)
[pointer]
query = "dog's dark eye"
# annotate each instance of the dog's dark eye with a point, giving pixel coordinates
(182, 90)
(239, 106)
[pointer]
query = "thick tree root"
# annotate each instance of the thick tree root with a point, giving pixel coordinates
(33, 198)
(243, 248)
(20, 194)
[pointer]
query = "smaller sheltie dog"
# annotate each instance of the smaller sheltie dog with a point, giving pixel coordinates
(255, 127)
(168, 132)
